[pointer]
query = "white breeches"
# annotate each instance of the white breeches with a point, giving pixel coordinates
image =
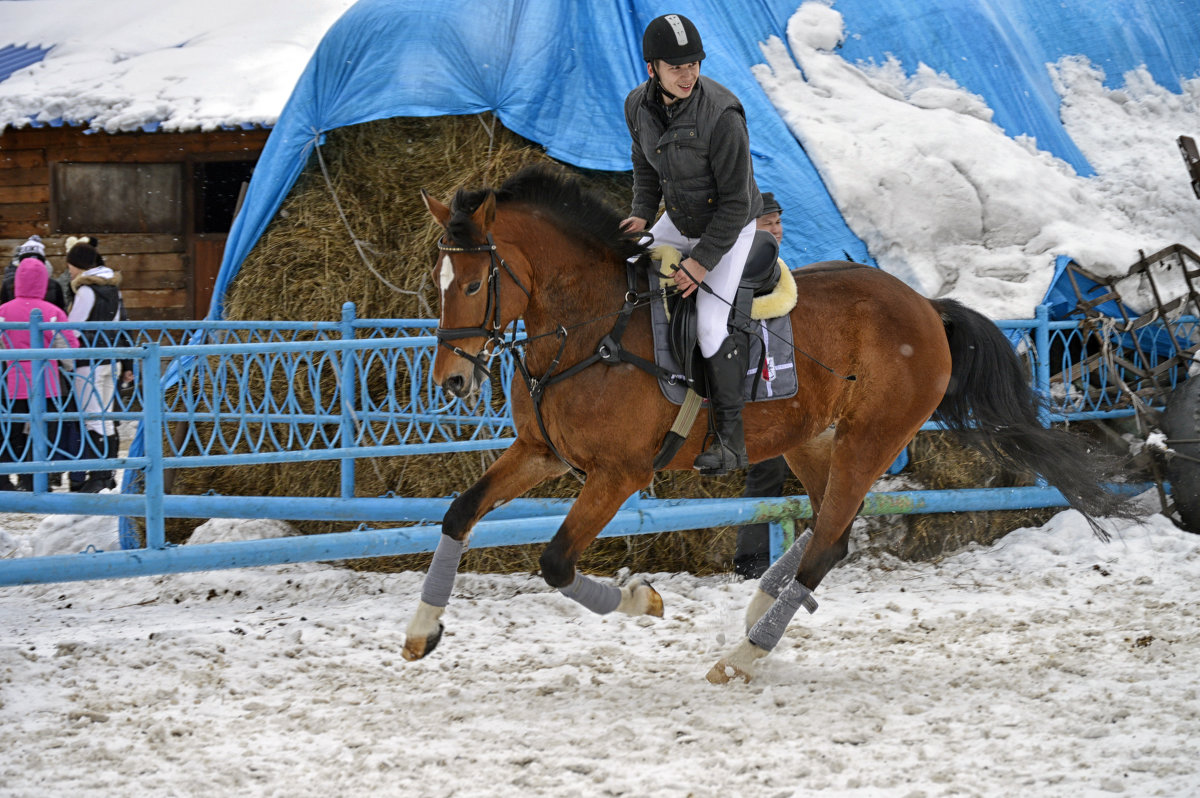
(94, 393)
(712, 312)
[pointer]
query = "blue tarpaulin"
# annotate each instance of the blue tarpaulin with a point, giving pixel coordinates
(557, 73)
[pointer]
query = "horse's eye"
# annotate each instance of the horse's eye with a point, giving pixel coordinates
(473, 288)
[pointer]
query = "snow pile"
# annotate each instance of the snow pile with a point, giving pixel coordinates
(946, 201)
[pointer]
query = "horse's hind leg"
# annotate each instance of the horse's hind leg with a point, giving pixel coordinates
(810, 463)
(520, 468)
(855, 462)
(598, 502)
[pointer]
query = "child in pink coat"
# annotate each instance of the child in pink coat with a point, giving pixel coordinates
(29, 290)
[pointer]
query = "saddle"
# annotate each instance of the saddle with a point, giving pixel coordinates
(765, 292)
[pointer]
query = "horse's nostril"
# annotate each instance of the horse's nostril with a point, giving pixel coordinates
(454, 385)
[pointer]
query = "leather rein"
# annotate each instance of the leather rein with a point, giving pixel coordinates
(608, 351)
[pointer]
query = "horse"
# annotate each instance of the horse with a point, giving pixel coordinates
(881, 361)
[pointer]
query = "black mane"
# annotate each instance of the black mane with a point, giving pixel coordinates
(576, 208)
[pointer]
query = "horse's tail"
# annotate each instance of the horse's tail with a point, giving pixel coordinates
(990, 406)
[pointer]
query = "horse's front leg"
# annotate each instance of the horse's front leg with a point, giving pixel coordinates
(598, 502)
(519, 469)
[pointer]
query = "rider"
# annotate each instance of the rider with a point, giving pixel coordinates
(691, 150)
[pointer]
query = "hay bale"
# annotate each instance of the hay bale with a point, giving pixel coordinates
(938, 462)
(306, 265)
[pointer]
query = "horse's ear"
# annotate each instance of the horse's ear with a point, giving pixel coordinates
(440, 212)
(485, 214)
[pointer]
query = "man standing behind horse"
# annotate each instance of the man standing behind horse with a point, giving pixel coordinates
(691, 151)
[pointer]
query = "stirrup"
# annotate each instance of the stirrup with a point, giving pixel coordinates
(729, 460)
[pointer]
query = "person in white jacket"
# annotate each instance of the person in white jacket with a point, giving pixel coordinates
(97, 298)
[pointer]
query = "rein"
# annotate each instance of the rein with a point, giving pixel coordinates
(609, 350)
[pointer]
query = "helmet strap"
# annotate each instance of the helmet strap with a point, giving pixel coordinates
(658, 84)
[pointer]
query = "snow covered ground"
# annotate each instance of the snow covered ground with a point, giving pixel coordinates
(1050, 664)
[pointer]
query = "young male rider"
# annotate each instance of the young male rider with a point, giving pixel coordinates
(691, 151)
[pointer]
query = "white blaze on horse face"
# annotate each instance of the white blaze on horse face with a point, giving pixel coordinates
(447, 274)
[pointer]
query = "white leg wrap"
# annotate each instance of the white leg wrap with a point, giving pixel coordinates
(770, 628)
(439, 579)
(783, 570)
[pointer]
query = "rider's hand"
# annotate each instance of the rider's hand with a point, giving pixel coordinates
(634, 224)
(686, 283)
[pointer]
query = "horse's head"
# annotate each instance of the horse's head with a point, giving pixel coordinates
(480, 294)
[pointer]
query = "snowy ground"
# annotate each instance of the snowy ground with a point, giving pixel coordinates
(1049, 664)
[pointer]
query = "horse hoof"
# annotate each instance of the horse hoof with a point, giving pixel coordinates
(640, 598)
(724, 672)
(416, 648)
(738, 664)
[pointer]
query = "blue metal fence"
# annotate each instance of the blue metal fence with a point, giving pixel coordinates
(239, 393)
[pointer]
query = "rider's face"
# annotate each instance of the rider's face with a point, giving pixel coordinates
(678, 80)
(773, 224)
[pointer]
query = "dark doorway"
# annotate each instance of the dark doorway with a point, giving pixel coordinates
(218, 184)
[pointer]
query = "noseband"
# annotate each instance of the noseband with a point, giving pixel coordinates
(491, 328)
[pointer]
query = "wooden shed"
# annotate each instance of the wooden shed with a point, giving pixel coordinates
(140, 124)
(161, 204)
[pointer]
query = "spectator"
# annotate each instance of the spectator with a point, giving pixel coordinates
(32, 248)
(97, 298)
(753, 552)
(29, 284)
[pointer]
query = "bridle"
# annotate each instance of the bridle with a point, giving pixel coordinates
(491, 328)
(609, 351)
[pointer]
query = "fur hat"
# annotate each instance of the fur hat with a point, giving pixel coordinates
(770, 204)
(33, 246)
(73, 240)
(83, 256)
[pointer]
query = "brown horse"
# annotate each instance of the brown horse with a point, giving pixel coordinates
(883, 360)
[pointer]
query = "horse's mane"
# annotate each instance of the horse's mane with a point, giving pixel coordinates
(573, 206)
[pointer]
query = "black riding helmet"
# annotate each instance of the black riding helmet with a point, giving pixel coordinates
(672, 38)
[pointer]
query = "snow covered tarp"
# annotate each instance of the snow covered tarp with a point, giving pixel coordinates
(557, 73)
(927, 134)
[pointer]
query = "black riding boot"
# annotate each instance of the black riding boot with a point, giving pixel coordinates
(726, 373)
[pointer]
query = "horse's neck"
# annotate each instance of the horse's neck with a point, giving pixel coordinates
(571, 286)
(576, 293)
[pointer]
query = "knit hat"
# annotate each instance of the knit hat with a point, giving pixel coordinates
(73, 240)
(770, 205)
(83, 256)
(33, 246)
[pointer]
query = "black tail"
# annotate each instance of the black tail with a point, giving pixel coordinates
(991, 407)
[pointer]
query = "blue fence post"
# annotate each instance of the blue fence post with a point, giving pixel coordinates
(777, 540)
(348, 397)
(152, 434)
(1041, 367)
(1041, 339)
(39, 452)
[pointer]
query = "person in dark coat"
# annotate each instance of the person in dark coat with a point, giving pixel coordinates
(752, 554)
(691, 152)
